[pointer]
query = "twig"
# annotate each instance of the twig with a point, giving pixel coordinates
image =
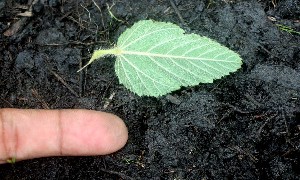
(87, 11)
(111, 14)
(261, 128)
(64, 83)
(8, 103)
(286, 128)
(81, 88)
(17, 26)
(72, 43)
(102, 21)
(39, 98)
(177, 12)
(74, 20)
(107, 102)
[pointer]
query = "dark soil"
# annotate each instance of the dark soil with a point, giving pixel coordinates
(244, 126)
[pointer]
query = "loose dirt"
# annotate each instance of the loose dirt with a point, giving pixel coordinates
(243, 126)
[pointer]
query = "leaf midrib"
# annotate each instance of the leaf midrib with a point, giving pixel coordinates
(123, 52)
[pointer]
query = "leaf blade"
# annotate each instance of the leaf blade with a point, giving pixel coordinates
(164, 58)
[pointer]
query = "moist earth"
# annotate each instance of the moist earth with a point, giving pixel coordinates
(243, 126)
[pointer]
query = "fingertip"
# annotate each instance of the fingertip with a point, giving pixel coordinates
(92, 133)
(123, 131)
(116, 135)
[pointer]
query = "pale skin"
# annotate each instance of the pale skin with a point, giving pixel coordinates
(28, 134)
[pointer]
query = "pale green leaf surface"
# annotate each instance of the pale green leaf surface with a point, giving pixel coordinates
(155, 58)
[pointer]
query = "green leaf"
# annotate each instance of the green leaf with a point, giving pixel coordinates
(155, 58)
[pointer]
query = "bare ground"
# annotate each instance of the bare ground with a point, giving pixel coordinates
(244, 126)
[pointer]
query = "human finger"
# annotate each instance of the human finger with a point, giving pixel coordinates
(26, 134)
